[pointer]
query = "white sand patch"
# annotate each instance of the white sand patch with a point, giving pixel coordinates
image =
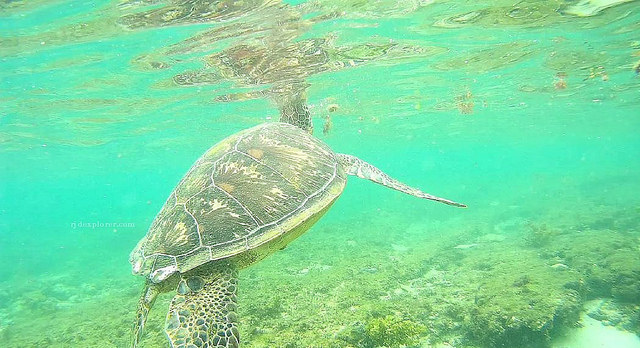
(593, 334)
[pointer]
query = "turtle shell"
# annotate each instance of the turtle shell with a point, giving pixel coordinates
(250, 189)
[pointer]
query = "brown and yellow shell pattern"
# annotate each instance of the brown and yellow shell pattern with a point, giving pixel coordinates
(248, 189)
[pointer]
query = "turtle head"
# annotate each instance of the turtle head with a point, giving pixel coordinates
(141, 265)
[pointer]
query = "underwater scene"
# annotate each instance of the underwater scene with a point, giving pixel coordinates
(527, 112)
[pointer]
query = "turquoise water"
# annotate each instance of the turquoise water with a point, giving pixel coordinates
(527, 112)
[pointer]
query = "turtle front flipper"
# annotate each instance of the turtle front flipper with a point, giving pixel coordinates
(203, 313)
(148, 297)
(355, 166)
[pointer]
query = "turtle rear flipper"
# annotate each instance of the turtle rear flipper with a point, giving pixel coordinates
(355, 166)
(204, 309)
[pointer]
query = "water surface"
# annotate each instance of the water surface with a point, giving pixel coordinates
(525, 111)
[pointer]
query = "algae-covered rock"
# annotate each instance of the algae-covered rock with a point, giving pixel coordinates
(539, 235)
(625, 276)
(392, 331)
(522, 301)
(496, 325)
(610, 264)
(386, 331)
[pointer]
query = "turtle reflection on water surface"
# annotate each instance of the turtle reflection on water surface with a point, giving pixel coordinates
(245, 198)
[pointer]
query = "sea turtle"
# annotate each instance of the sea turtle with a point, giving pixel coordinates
(243, 199)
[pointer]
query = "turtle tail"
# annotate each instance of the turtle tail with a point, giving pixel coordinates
(355, 166)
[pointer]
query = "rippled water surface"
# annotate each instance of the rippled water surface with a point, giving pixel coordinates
(527, 111)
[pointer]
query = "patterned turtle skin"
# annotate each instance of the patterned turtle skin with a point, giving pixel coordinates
(243, 199)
